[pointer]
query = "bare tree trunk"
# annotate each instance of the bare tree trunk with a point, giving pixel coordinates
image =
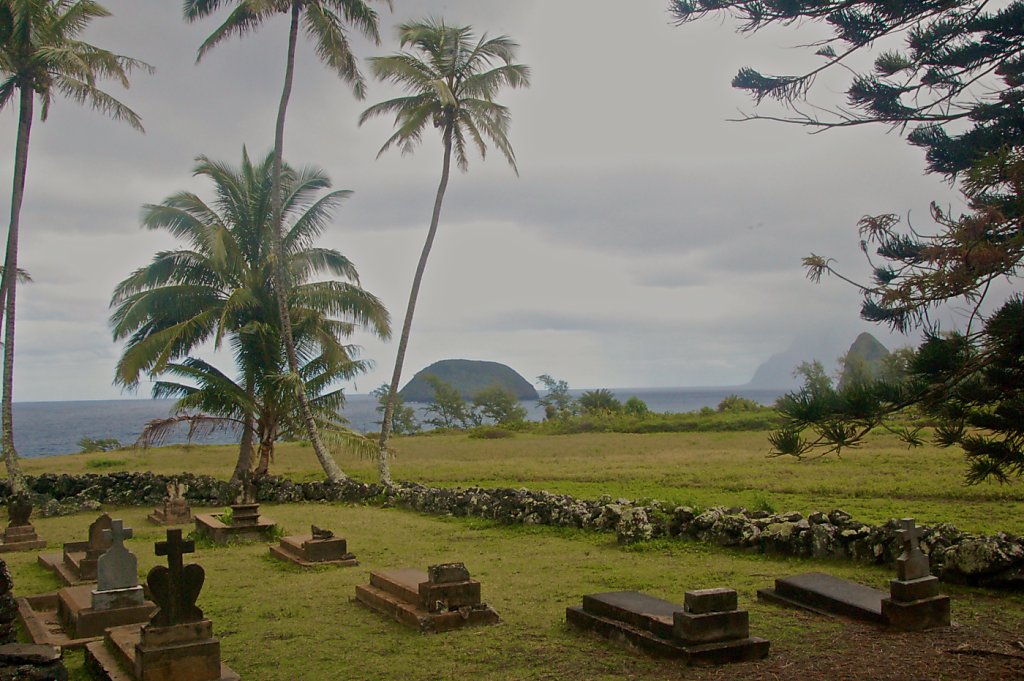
(10, 287)
(383, 467)
(330, 466)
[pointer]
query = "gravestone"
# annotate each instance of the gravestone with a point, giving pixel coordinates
(175, 509)
(245, 520)
(177, 644)
(913, 601)
(77, 564)
(19, 535)
(440, 599)
(321, 547)
(77, 614)
(707, 629)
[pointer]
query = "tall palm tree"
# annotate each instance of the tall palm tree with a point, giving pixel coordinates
(324, 22)
(221, 286)
(40, 56)
(451, 79)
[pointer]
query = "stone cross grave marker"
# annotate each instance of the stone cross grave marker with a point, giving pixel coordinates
(118, 568)
(176, 588)
(912, 563)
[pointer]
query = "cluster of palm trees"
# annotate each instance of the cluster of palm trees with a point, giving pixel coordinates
(247, 274)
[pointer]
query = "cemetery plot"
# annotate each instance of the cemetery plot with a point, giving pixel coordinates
(707, 629)
(245, 521)
(19, 535)
(177, 644)
(77, 564)
(321, 547)
(442, 598)
(913, 602)
(175, 509)
(78, 614)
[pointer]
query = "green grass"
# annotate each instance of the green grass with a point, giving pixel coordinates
(278, 622)
(883, 479)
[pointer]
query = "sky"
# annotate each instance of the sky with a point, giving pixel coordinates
(648, 241)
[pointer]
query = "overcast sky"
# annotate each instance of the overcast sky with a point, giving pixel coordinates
(647, 242)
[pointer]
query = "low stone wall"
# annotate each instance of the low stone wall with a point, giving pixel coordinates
(956, 556)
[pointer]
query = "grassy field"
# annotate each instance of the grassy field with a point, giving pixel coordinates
(278, 622)
(882, 479)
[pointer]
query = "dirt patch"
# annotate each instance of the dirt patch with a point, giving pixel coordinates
(986, 652)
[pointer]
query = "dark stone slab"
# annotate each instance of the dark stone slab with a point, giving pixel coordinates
(449, 595)
(818, 592)
(637, 609)
(709, 600)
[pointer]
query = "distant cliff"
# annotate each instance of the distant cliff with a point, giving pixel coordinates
(469, 377)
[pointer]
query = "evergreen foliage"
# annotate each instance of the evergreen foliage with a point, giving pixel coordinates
(500, 405)
(558, 404)
(957, 84)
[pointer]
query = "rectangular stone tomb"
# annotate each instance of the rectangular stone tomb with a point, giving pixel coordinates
(309, 550)
(136, 653)
(440, 599)
(172, 512)
(910, 605)
(707, 629)
(77, 564)
(246, 523)
(21, 538)
(70, 617)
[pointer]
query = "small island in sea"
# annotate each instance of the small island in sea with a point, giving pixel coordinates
(469, 377)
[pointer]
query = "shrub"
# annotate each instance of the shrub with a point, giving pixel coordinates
(490, 433)
(634, 406)
(735, 403)
(88, 444)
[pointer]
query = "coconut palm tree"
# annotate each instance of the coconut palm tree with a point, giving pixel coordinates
(221, 287)
(41, 56)
(324, 22)
(452, 80)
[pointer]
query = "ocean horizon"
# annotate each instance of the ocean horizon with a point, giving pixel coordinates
(52, 428)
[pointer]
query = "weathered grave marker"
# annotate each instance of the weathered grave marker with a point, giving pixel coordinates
(175, 509)
(913, 601)
(440, 599)
(708, 629)
(19, 535)
(78, 562)
(321, 547)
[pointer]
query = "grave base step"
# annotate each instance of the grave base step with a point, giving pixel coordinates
(287, 552)
(411, 615)
(55, 563)
(637, 609)
(739, 650)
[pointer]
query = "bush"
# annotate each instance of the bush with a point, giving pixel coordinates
(597, 401)
(87, 444)
(735, 403)
(634, 406)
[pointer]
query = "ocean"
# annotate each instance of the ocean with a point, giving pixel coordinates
(48, 428)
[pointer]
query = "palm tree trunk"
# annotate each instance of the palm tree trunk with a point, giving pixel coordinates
(383, 467)
(330, 466)
(10, 285)
(244, 463)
